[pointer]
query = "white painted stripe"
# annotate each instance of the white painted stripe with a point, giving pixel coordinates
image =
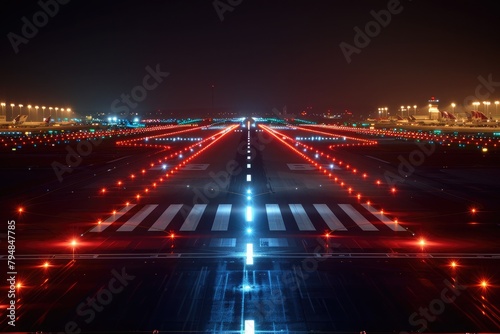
(249, 327)
(274, 218)
(221, 220)
(391, 224)
(369, 156)
(358, 218)
(300, 215)
(136, 219)
(329, 217)
(103, 225)
(166, 217)
(115, 160)
(193, 218)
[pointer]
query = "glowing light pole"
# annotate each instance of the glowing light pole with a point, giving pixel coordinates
(477, 105)
(50, 111)
(3, 109)
(487, 103)
(36, 111)
(29, 110)
(21, 109)
(12, 105)
(56, 109)
(453, 105)
(414, 109)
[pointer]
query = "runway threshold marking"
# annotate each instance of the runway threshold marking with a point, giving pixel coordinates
(358, 218)
(136, 219)
(329, 217)
(274, 218)
(390, 223)
(193, 218)
(221, 220)
(301, 217)
(166, 217)
(105, 224)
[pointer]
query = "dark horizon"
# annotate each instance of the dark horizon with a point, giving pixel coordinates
(262, 55)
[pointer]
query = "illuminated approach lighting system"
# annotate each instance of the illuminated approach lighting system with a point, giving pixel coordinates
(249, 256)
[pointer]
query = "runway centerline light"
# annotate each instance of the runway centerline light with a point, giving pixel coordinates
(249, 254)
(249, 214)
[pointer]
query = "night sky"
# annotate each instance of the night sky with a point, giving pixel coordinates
(263, 54)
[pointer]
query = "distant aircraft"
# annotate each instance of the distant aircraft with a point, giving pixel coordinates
(46, 122)
(18, 120)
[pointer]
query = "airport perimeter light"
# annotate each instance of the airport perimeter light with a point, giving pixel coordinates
(477, 105)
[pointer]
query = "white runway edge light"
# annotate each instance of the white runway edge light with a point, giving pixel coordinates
(249, 177)
(249, 254)
(249, 327)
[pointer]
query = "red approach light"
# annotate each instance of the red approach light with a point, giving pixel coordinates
(484, 284)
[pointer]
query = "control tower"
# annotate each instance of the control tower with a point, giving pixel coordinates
(433, 108)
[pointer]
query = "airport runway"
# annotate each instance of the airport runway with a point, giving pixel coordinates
(138, 238)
